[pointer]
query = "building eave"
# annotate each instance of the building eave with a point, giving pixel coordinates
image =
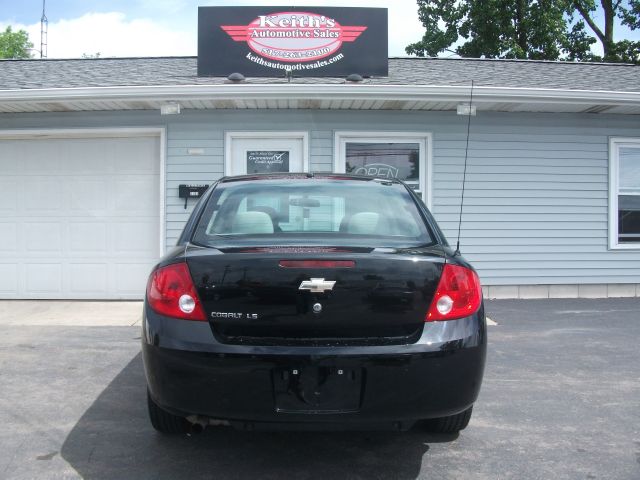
(318, 96)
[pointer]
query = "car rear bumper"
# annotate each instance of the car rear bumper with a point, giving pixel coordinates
(439, 375)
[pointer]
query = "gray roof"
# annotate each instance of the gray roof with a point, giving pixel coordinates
(107, 72)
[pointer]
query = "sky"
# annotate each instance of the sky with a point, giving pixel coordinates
(121, 28)
(160, 27)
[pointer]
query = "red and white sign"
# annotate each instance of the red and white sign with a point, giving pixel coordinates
(278, 41)
(294, 36)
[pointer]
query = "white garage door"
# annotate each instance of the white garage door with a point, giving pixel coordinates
(79, 217)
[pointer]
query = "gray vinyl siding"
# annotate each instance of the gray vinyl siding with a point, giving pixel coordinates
(184, 168)
(536, 206)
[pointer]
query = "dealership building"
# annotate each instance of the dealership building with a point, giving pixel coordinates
(93, 154)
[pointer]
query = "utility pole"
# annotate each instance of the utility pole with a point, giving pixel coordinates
(44, 27)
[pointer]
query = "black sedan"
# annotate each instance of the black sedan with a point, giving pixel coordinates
(303, 301)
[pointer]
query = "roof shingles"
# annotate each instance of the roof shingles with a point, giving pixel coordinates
(110, 72)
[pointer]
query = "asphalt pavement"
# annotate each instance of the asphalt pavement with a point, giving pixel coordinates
(560, 400)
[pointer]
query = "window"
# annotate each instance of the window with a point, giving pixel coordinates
(337, 212)
(401, 155)
(624, 193)
(384, 160)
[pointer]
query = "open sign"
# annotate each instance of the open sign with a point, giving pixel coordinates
(379, 170)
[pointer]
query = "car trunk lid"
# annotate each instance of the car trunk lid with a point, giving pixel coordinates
(316, 295)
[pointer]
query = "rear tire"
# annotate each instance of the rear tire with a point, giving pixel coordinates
(451, 424)
(164, 421)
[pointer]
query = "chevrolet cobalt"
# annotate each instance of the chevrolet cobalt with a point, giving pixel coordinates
(301, 301)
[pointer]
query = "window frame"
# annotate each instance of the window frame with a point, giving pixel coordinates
(614, 157)
(423, 139)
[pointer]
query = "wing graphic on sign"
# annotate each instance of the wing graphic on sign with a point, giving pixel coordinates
(237, 32)
(350, 33)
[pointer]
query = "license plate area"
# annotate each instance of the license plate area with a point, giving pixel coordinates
(317, 389)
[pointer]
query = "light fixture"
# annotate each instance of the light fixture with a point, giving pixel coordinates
(171, 108)
(354, 78)
(466, 109)
(235, 77)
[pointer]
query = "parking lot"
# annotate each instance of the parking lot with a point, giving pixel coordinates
(560, 400)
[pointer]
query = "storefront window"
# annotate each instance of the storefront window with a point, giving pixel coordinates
(401, 155)
(384, 160)
(625, 193)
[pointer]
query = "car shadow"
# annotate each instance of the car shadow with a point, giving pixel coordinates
(113, 439)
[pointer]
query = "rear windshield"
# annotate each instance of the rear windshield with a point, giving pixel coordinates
(330, 212)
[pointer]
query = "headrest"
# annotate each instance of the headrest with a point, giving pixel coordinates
(252, 223)
(363, 223)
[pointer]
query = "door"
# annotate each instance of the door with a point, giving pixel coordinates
(79, 217)
(266, 152)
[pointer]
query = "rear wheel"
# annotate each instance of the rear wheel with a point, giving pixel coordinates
(164, 421)
(451, 424)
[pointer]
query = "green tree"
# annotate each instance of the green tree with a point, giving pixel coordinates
(627, 13)
(15, 44)
(534, 29)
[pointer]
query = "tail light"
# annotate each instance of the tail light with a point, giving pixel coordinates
(458, 295)
(171, 292)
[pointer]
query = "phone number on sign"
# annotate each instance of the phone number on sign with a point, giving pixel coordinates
(295, 54)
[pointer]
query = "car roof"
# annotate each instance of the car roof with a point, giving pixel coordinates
(307, 176)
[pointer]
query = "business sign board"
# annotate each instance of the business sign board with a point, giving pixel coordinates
(267, 161)
(310, 41)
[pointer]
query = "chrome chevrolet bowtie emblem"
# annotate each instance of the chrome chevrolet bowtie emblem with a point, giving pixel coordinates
(317, 285)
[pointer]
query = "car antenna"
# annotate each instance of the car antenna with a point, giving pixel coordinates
(464, 173)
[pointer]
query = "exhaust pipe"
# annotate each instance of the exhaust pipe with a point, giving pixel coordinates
(199, 422)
